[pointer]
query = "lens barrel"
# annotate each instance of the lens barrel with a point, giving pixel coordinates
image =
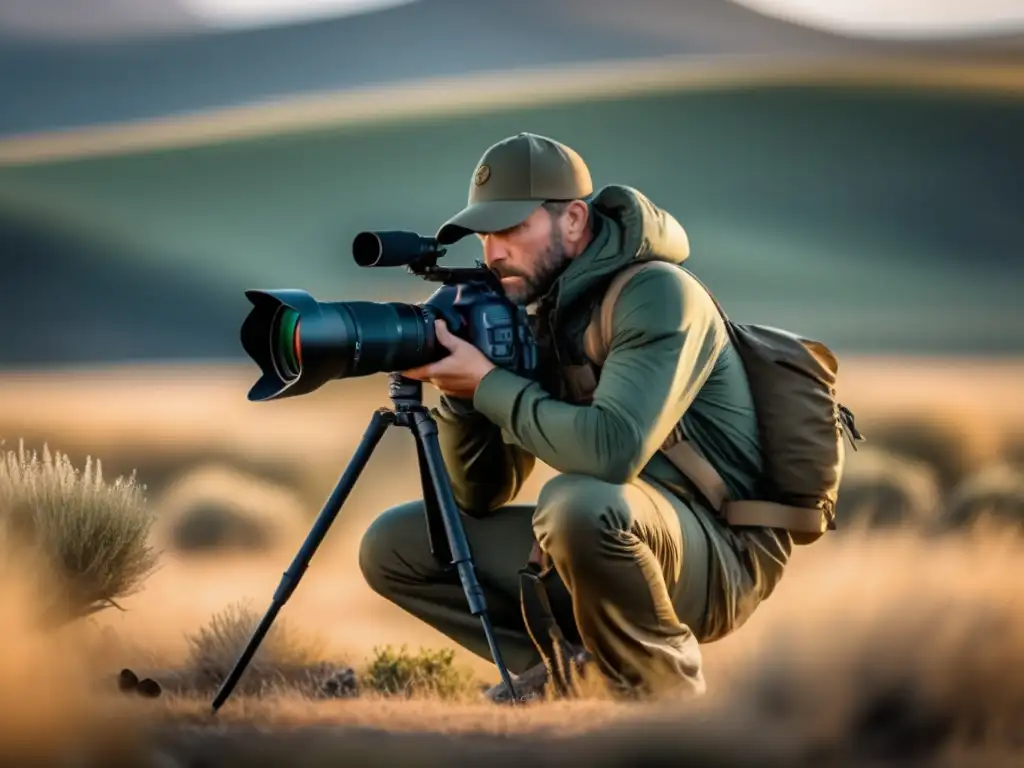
(300, 343)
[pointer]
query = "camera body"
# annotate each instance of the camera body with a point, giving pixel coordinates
(300, 343)
(475, 312)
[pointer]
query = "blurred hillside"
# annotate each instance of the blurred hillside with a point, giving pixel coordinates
(82, 77)
(863, 192)
(882, 221)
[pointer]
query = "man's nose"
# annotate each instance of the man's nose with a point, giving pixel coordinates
(493, 252)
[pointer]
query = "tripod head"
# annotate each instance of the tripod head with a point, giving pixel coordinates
(406, 394)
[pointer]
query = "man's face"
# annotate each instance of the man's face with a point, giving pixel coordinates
(527, 257)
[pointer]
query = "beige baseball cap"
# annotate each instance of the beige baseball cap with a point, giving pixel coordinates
(514, 178)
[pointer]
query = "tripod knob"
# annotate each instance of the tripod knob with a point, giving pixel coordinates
(401, 388)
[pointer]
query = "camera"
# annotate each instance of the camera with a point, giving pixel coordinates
(300, 343)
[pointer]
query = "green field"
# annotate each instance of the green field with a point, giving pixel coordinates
(881, 219)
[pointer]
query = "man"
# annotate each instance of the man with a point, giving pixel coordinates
(641, 570)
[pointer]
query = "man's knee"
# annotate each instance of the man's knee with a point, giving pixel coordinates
(382, 542)
(575, 511)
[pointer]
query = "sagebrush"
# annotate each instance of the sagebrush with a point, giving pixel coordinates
(90, 536)
(429, 672)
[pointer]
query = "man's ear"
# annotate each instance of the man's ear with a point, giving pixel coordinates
(577, 221)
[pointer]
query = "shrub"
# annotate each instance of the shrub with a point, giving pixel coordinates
(428, 673)
(994, 494)
(215, 508)
(91, 536)
(285, 657)
(1013, 447)
(207, 526)
(953, 444)
(882, 489)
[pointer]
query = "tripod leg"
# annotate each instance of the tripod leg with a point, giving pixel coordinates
(379, 423)
(426, 436)
(436, 534)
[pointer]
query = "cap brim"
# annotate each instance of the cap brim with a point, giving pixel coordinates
(490, 216)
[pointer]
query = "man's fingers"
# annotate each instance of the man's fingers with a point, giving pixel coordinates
(420, 374)
(431, 370)
(446, 337)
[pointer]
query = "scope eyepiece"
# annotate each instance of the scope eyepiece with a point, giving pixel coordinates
(395, 248)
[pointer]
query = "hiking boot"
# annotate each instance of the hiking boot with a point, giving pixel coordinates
(529, 686)
(535, 683)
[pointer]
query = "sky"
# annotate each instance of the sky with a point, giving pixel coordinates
(107, 19)
(249, 12)
(895, 17)
(872, 17)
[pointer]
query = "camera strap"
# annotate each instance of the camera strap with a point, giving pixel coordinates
(547, 636)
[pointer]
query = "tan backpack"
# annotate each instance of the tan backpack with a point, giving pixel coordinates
(801, 424)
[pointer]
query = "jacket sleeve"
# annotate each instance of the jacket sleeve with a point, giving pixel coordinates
(666, 335)
(485, 472)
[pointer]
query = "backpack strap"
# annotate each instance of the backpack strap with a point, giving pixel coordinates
(599, 332)
(687, 458)
(683, 453)
(770, 514)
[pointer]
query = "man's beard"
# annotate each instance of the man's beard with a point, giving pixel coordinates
(548, 266)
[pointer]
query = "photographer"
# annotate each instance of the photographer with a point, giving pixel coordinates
(637, 567)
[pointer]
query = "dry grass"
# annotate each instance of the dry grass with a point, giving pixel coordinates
(91, 534)
(877, 648)
(284, 657)
(893, 642)
(162, 421)
(295, 662)
(49, 713)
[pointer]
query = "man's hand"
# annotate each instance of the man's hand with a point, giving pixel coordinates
(458, 374)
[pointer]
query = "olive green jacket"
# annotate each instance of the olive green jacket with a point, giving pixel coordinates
(669, 359)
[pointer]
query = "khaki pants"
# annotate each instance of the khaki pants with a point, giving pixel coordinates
(637, 578)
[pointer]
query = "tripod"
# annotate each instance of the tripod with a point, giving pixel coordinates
(444, 525)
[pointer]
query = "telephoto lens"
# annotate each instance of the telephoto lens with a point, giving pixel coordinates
(300, 343)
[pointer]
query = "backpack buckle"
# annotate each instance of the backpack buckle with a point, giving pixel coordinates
(849, 426)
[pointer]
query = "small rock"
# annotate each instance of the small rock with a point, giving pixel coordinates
(127, 681)
(149, 688)
(341, 683)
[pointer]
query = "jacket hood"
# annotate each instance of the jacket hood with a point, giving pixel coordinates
(632, 228)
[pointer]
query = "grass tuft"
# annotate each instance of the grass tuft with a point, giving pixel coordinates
(286, 659)
(91, 535)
